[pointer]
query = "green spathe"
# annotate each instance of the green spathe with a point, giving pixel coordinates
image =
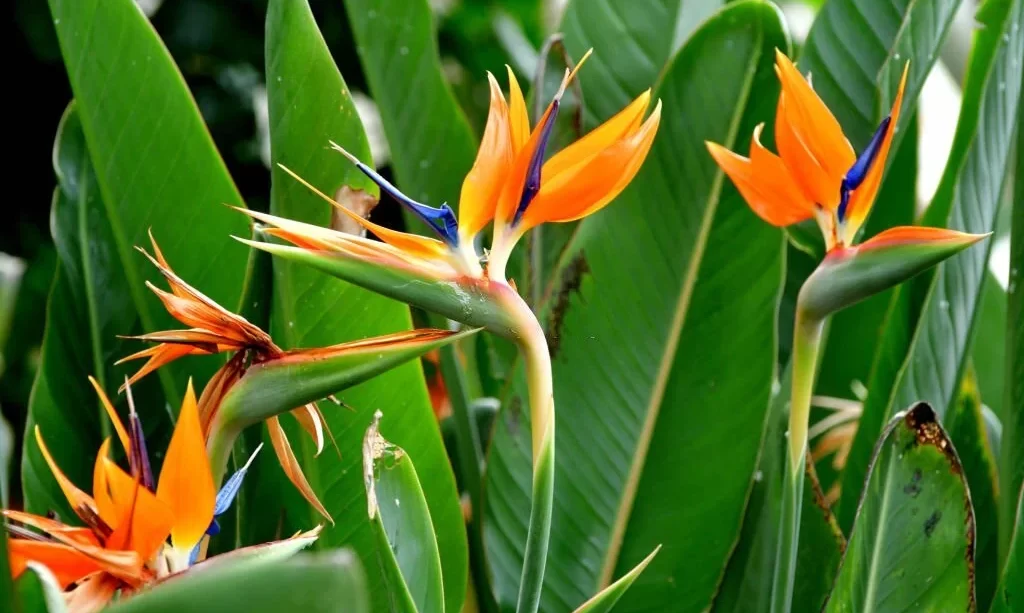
(847, 276)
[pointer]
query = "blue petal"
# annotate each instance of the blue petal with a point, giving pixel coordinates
(532, 184)
(855, 176)
(139, 459)
(213, 529)
(227, 493)
(441, 220)
(194, 554)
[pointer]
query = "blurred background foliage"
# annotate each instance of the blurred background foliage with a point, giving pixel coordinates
(219, 47)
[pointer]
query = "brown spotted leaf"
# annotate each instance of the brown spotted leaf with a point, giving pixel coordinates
(912, 545)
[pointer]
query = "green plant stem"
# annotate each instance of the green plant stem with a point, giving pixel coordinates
(530, 337)
(807, 334)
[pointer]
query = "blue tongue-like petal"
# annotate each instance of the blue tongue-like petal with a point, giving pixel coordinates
(855, 176)
(441, 220)
(532, 184)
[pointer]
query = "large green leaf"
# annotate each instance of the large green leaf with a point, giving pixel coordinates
(309, 104)
(646, 387)
(1011, 453)
(632, 41)
(856, 51)
(89, 305)
(966, 425)
(1010, 590)
(967, 200)
(988, 347)
(432, 147)
(311, 583)
(912, 545)
(406, 547)
(155, 167)
(749, 576)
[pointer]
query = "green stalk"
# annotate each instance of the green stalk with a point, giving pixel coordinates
(806, 343)
(534, 347)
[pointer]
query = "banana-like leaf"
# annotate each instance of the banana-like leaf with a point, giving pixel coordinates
(37, 591)
(311, 583)
(632, 40)
(432, 147)
(1010, 591)
(912, 545)
(967, 430)
(967, 200)
(406, 545)
(1011, 453)
(309, 104)
(856, 51)
(155, 162)
(646, 380)
(90, 304)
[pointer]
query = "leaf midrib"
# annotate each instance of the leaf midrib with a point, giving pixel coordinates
(95, 343)
(675, 330)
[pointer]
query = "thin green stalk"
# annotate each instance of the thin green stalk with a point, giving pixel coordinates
(807, 334)
(534, 347)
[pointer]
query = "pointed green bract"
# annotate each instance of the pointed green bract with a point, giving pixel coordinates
(466, 300)
(406, 545)
(604, 601)
(277, 386)
(848, 276)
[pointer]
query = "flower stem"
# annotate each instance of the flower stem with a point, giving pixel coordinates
(534, 347)
(806, 343)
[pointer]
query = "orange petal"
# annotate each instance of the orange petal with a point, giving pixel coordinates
(818, 186)
(311, 420)
(83, 504)
(105, 504)
(67, 564)
(812, 122)
(143, 521)
(595, 181)
(93, 594)
(512, 191)
(519, 120)
(218, 386)
(74, 534)
(764, 182)
(413, 244)
(621, 126)
(186, 483)
(483, 183)
(159, 355)
(194, 308)
(114, 418)
(864, 196)
(921, 235)
(123, 564)
(290, 465)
